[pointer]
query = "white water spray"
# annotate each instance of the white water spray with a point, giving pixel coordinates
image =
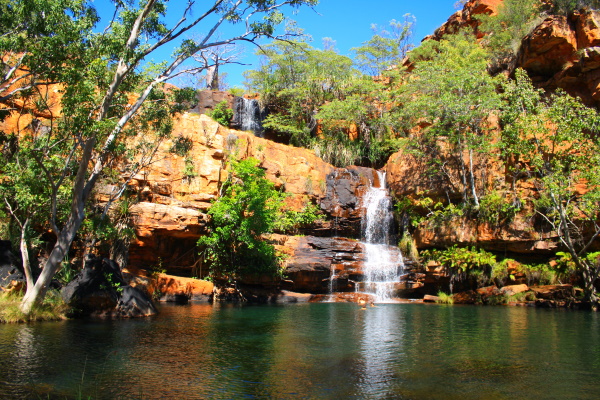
(383, 263)
(250, 116)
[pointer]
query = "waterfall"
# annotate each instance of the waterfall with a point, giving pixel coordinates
(248, 116)
(383, 264)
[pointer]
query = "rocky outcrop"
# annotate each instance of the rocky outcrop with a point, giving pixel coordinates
(563, 53)
(467, 18)
(313, 259)
(208, 99)
(342, 200)
(171, 215)
(100, 290)
(337, 264)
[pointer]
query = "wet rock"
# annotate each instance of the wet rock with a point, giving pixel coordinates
(285, 296)
(354, 297)
(312, 259)
(134, 303)
(430, 299)
(468, 297)
(554, 292)
(342, 201)
(248, 115)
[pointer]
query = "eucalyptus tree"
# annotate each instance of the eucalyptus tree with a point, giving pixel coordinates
(294, 80)
(109, 88)
(387, 48)
(554, 140)
(451, 91)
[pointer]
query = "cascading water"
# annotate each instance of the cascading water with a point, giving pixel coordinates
(383, 264)
(248, 116)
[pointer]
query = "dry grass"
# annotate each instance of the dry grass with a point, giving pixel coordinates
(53, 308)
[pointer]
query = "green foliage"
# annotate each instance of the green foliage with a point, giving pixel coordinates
(567, 6)
(236, 91)
(558, 137)
(495, 208)
(183, 99)
(292, 222)
(461, 259)
(505, 30)
(444, 298)
(246, 210)
(387, 48)
(464, 264)
(182, 146)
(302, 85)
(189, 171)
(66, 273)
(452, 91)
(222, 113)
(52, 309)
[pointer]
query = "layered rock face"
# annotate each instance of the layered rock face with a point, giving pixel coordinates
(560, 52)
(467, 18)
(171, 215)
(563, 53)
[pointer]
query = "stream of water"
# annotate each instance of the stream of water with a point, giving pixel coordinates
(309, 351)
(383, 262)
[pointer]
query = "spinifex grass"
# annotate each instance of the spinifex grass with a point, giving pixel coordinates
(53, 308)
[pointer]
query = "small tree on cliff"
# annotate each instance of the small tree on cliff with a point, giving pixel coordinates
(554, 140)
(450, 90)
(106, 81)
(247, 209)
(387, 48)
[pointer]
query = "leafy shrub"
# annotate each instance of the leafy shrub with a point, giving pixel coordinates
(248, 209)
(444, 298)
(496, 209)
(181, 146)
(222, 113)
(464, 264)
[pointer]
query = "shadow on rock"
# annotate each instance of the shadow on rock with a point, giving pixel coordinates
(99, 290)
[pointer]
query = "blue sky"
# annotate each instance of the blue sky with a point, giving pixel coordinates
(347, 22)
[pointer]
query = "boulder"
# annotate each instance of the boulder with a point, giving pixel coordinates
(99, 290)
(362, 299)
(468, 297)
(428, 298)
(511, 290)
(285, 296)
(313, 258)
(467, 18)
(176, 288)
(554, 292)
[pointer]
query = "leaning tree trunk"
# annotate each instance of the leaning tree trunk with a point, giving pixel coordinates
(36, 293)
(590, 275)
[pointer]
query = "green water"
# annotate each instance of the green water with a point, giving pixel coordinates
(309, 351)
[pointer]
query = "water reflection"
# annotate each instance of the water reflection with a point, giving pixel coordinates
(325, 351)
(381, 349)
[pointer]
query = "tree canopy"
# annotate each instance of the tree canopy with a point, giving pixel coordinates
(108, 92)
